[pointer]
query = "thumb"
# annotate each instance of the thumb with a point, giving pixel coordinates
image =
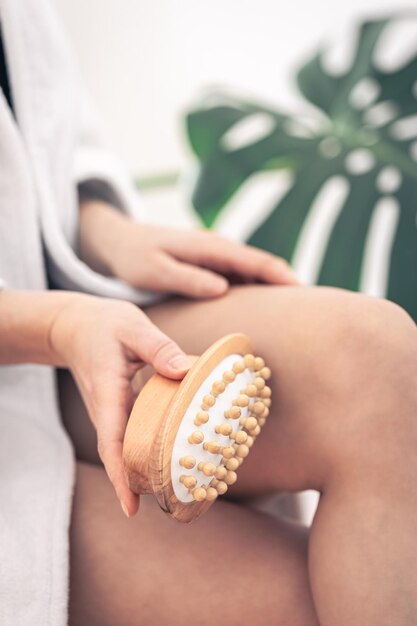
(157, 349)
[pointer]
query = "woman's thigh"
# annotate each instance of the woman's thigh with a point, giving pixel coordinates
(334, 355)
(234, 565)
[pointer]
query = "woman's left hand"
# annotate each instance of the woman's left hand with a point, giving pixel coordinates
(195, 263)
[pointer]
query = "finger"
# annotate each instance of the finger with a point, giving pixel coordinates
(111, 426)
(111, 454)
(251, 262)
(157, 349)
(189, 280)
(266, 267)
(228, 256)
(110, 417)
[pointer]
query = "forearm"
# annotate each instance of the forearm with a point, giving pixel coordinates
(100, 225)
(26, 320)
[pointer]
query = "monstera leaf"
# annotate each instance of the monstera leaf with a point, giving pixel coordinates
(348, 218)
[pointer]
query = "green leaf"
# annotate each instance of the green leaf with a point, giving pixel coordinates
(223, 170)
(361, 136)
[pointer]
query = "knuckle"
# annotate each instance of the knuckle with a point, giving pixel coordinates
(151, 272)
(101, 449)
(164, 274)
(211, 245)
(163, 349)
(197, 283)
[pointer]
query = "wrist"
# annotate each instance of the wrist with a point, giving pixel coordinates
(26, 319)
(101, 228)
(65, 329)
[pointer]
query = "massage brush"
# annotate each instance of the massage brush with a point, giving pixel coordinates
(185, 440)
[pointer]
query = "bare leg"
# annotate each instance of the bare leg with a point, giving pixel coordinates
(345, 398)
(234, 566)
(345, 389)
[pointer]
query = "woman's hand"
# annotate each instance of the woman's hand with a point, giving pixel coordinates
(192, 263)
(104, 343)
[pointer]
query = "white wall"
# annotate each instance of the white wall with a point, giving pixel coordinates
(145, 64)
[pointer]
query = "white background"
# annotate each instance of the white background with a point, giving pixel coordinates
(146, 60)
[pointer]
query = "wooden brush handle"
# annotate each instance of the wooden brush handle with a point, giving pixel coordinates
(142, 428)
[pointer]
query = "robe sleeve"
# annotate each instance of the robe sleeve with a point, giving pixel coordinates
(92, 161)
(94, 189)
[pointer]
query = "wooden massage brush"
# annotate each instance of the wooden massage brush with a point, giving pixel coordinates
(185, 440)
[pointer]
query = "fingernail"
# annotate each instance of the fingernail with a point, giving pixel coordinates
(180, 362)
(293, 276)
(291, 273)
(217, 285)
(124, 508)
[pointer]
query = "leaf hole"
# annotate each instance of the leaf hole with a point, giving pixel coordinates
(248, 131)
(364, 93)
(389, 179)
(359, 161)
(381, 114)
(397, 45)
(405, 128)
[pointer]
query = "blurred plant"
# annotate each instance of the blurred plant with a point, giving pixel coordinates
(362, 144)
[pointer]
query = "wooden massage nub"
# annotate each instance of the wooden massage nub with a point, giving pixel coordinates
(185, 440)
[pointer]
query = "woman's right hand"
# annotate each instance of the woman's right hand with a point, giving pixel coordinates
(104, 343)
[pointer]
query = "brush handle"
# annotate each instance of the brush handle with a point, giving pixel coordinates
(142, 430)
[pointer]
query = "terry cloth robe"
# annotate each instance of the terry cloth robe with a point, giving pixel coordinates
(51, 146)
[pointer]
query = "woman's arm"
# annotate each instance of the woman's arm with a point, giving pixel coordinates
(26, 318)
(104, 343)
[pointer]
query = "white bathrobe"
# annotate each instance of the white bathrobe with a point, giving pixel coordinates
(54, 145)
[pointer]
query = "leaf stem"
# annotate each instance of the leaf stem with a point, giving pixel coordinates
(157, 181)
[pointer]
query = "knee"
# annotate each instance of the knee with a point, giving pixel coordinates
(379, 341)
(371, 384)
(358, 348)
